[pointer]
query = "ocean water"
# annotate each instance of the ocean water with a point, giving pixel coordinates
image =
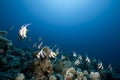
(89, 27)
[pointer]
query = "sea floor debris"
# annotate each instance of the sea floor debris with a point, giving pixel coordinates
(20, 64)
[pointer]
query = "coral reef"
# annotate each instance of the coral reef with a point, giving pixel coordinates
(52, 77)
(69, 75)
(5, 43)
(3, 33)
(95, 76)
(45, 64)
(42, 69)
(20, 76)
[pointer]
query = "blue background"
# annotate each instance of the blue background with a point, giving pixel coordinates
(89, 27)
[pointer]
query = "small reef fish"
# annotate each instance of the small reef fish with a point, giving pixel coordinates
(29, 39)
(52, 54)
(43, 54)
(40, 45)
(87, 59)
(110, 67)
(34, 45)
(74, 54)
(77, 62)
(80, 57)
(39, 39)
(57, 51)
(11, 28)
(100, 65)
(23, 31)
(54, 47)
(62, 57)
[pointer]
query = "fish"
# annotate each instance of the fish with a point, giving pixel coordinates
(34, 45)
(87, 59)
(40, 45)
(23, 31)
(54, 47)
(57, 51)
(62, 57)
(77, 62)
(100, 65)
(39, 39)
(11, 28)
(110, 67)
(29, 39)
(80, 57)
(74, 54)
(40, 54)
(52, 54)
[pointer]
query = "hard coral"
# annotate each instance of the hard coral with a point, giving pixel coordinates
(5, 43)
(69, 74)
(80, 75)
(52, 77)
(42, 68)
(20, 76)
(95, 76)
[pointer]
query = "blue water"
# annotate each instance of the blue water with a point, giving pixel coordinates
(89, 27)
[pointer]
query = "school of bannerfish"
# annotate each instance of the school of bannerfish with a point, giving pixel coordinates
(41, 53)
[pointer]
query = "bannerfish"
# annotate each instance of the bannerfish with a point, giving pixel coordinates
(87, 59)
(100, 65)
(42, 53)
(54, 47)
(110, 67)
(40, 45)
(34, 45)
(39, 39)
(11, 28)
(23, 31)
(29, 39)
(62, 57)
(57, 51)
(74, 54)
(80, 57)
(77, 62)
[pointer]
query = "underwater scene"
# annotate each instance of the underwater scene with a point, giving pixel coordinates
(59, 39)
